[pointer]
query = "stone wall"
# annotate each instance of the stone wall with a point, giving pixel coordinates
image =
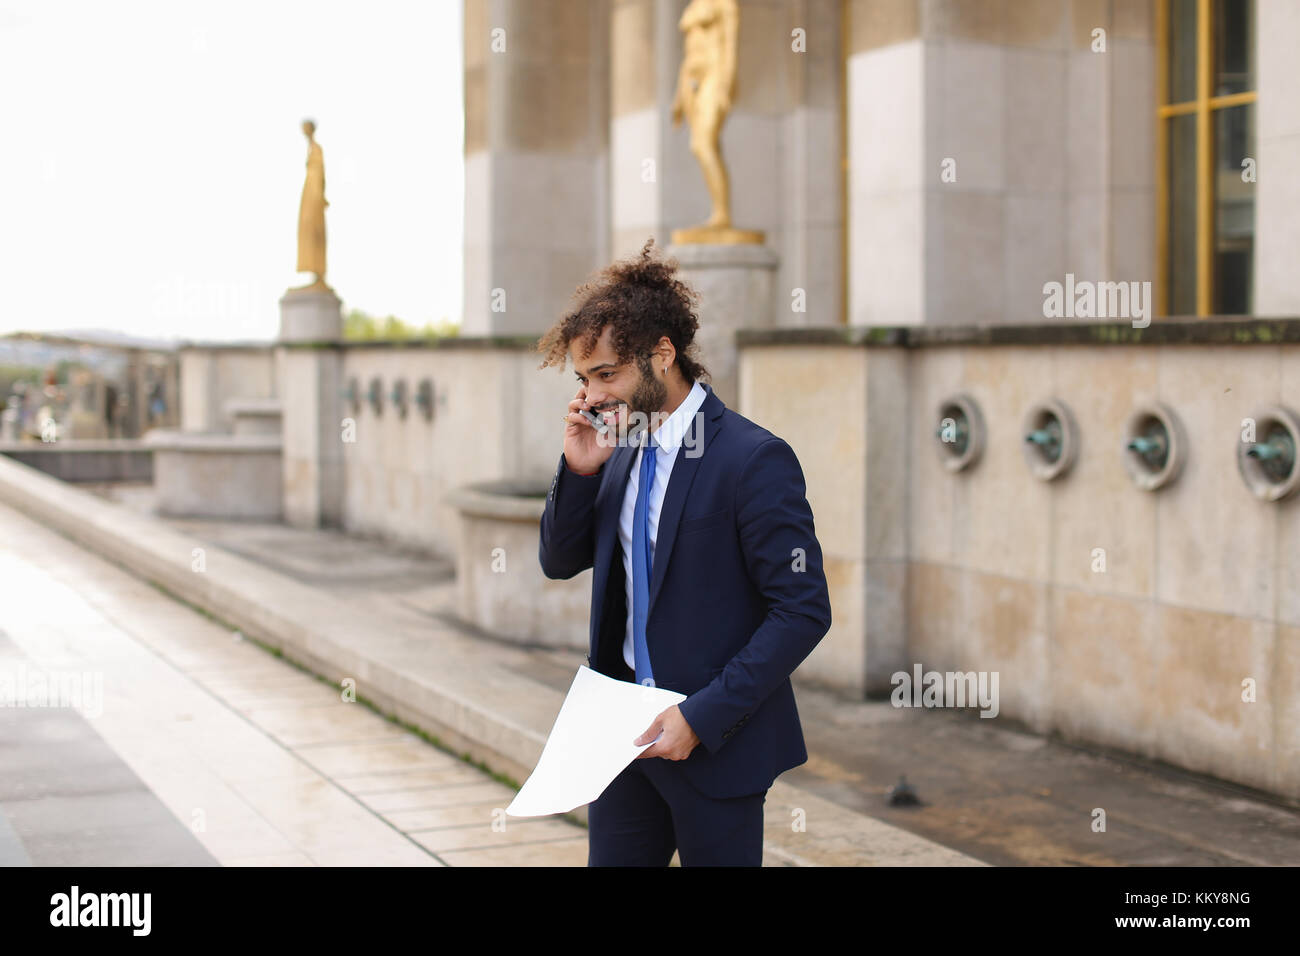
(1050, 147)
(993, 569)
(494, 417)
(213, 373)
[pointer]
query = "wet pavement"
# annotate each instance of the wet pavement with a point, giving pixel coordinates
(987, 788)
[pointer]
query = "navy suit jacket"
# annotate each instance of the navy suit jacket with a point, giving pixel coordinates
(738, 597)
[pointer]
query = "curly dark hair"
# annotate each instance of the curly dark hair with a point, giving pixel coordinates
(644, 301)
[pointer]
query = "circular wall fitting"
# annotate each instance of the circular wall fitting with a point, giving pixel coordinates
(1268, 464)
(960, 432)
(1155, 446)
(1051, 439)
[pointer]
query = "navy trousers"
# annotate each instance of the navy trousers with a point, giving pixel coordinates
(652, 809)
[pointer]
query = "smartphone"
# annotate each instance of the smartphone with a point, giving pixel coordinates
(596, 422)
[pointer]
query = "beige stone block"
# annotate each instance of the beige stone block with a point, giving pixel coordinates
(1086, 16)
(632, 57)
(1086, 115)
(813, 76)
(1132, 237)
(557, 31)
(1034, 148)
(886, 624)
(764, 59)
(1041, 24)
(810, 136)
(1132, 104)
(1001, 518)
(477, 32)
(1101, 676)
(1277, 227)
(936, 615)
(789, 392)
(476, 108)
(966, 246)
(877, 23)
(1216, 540)
(935, 375)
(840, 658)
(886, 463)
(981, 20)
(1084, 238)
(1201, 722)
(887, 258)
(1288, 515)
(973, 109)
(1096, 506)
(1035, 253)
(545, 106)
(1133, 19)
(1277, 27)
(1004, 629)
(897, 120)
(1286, 712)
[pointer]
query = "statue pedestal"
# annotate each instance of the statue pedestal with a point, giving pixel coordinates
(314, 314)
(311, 410)
(735, 287)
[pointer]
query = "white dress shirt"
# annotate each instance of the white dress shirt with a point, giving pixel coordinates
(668, 437)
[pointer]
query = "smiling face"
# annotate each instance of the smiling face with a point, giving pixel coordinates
(619, 388)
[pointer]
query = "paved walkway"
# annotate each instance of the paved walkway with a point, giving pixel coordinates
(202, 748)
(988, 789)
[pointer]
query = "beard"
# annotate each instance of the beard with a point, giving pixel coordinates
(650, 394)
(646, 401)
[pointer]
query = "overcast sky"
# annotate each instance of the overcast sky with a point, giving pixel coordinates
(151, 160)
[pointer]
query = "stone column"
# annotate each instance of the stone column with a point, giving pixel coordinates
(735, 286)
(308, 366)
(994, 148)
(1277, 196)
(536, 158)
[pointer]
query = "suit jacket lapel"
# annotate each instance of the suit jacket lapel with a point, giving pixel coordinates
(609, 506)
(679, 484)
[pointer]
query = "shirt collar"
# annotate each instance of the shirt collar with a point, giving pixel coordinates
(669, 435)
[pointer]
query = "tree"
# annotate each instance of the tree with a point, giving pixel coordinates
(359, 325)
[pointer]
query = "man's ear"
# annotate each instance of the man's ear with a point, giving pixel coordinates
(666, 353)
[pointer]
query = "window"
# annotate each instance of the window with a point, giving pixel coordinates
(1205, 156)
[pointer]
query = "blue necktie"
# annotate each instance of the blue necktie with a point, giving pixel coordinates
(641, 563)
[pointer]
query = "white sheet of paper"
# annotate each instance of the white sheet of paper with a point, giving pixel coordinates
(590, 743)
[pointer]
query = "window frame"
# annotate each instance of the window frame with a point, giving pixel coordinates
(1203, 106)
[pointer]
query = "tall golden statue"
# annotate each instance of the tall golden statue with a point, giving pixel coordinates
(706, 86)
(311, 213)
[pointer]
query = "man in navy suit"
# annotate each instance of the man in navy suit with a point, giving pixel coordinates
(707, 577)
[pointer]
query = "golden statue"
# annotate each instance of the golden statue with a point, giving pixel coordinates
(311, 213)
(706, 86)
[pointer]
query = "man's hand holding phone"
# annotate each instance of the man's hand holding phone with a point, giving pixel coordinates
(585, 451)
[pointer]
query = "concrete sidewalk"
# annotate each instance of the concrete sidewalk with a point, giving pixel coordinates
(200, 748)
(493, 702)
(988, 788)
